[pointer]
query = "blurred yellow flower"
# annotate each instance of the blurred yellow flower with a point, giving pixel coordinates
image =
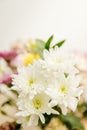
(31, 45)
(30, 57)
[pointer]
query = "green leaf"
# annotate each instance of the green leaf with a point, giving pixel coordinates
(47, 45)
(40, 47)
(72, 121)
(3, 112)
(59, 44)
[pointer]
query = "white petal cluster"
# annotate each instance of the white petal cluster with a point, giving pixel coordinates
(52, 81)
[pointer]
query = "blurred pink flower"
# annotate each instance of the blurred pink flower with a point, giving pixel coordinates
(6, 79)
(8, 55)
(17, 61)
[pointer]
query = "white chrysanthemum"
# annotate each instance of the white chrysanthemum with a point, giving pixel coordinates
(65, 92)
(4, 69)
(57, 60)
(30, 79)
(31, 110)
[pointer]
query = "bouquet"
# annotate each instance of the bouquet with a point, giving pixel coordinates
(44, 85)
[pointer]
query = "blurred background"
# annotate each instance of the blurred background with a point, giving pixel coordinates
(24, 19)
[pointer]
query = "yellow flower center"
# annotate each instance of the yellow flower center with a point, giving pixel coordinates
(37, 103)
(63, 89)
(27, 118)
(31, 82)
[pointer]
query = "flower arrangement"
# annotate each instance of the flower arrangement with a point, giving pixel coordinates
(44, 85)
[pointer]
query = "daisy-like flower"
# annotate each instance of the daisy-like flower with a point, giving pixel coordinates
(65, 92)
(31, 110)
(30, 79)
(57, 60)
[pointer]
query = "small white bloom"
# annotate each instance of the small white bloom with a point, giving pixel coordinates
(57, 60)
(32, 110)
(30, 79)
(65, 92)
